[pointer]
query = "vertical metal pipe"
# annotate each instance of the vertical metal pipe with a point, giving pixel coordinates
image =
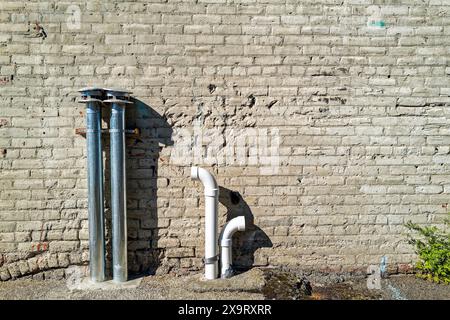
(118, 101)
(118, 187)
(95, 183)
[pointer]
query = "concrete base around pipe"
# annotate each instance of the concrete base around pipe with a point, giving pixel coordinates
(88, 284)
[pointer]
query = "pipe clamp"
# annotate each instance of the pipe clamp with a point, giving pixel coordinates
(211, 260)
(116, 130)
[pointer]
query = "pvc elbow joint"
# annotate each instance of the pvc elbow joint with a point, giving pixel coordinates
(210, 184)
(236, 224)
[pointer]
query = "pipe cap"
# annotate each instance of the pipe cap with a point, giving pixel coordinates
(119, 101)
(87, 99)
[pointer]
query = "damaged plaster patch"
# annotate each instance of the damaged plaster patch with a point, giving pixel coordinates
(249, 102)
(6, 79)
(212, 88)
(218, 112)
(36, 31)
(271, 103)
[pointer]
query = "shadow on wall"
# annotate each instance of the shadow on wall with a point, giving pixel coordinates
(143, 151)
(245, 243)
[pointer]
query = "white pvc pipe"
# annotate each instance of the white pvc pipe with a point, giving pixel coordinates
(236, 224)
(211, 213)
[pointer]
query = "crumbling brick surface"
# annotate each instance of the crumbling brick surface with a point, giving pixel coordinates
(356, 92)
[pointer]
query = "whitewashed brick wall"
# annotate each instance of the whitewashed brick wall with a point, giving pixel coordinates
(362, 114)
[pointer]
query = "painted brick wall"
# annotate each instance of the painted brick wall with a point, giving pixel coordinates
(354, 93)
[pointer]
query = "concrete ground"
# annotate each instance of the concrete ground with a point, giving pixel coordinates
(395, 287)
(255, 284)
(150, 288)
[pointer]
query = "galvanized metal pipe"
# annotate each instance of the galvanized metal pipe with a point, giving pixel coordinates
(118, 101)
(92, 98)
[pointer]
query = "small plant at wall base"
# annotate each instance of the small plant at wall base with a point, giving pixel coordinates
(433, 248)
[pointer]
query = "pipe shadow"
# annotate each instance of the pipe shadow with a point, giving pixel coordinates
(245, 243)
(142, 155)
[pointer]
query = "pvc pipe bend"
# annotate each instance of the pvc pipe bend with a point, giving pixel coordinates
(208, 181)
(236, 224)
